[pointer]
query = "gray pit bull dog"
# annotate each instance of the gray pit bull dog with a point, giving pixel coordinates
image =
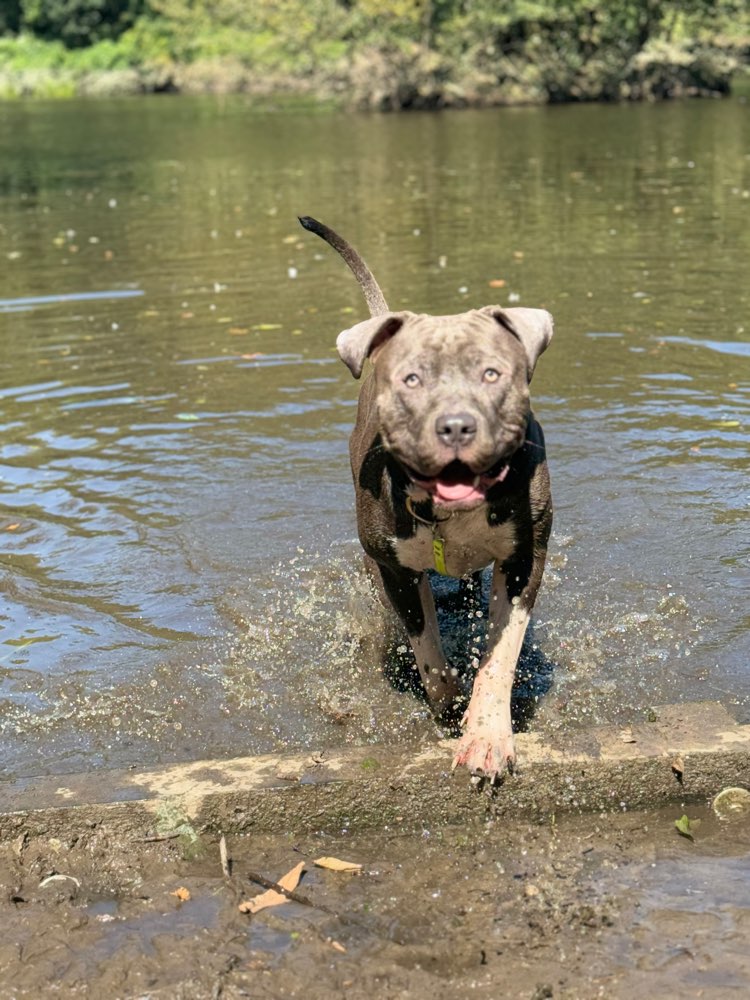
(450, 474)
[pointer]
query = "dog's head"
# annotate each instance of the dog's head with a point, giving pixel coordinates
(452, 392)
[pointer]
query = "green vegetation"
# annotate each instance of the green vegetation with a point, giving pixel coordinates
(381, 54)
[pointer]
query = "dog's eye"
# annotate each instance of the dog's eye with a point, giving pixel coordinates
(491, 375)
(412, 380)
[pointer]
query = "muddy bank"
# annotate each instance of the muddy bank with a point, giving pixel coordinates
(115, 884)
(602, 906)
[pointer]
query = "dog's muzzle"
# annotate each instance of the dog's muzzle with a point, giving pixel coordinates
(458, 486)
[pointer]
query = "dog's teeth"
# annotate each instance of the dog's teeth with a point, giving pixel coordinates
(476, 481)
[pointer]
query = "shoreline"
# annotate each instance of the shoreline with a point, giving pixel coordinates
(376, 80)
(689, 752)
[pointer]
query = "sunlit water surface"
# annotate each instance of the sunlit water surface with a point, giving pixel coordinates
(180, 573)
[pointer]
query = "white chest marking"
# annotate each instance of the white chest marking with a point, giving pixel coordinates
(469, 543)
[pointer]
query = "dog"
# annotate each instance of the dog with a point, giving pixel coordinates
(450, 474)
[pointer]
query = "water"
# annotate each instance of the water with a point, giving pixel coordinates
(180, 571)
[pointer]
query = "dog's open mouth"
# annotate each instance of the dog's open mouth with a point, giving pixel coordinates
(457, 485)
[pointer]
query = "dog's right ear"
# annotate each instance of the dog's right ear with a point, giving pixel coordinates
(363, 340)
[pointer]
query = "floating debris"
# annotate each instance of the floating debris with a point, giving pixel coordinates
(337, 865)
(732, 803)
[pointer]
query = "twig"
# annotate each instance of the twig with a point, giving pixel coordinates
(297, 897)
(171, 835)
(289, 893)
(346, 918)
(225, 863)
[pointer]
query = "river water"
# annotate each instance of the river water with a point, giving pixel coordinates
(179, 568)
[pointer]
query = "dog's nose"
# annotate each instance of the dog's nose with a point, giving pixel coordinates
(456, 429)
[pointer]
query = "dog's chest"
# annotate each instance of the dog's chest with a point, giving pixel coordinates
(460, 544)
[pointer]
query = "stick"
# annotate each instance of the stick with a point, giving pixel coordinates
(289, 893)
(225, 863)
(157, 837)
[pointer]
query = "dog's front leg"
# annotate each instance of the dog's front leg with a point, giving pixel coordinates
(411, 596)
(486, 746)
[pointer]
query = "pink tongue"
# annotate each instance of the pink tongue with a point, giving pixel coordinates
(456, 491)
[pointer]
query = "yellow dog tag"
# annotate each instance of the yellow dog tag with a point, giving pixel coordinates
(438, 554)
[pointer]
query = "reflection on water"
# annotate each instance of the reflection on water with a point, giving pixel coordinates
(179, 559)
(689, 910)
(30, 301)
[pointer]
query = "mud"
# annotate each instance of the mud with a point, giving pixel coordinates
(576, 907)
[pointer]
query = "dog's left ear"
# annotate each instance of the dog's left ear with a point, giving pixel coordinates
(533, 327)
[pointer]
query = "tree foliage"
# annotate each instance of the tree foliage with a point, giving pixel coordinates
(434, 23)
(411, 52)
(76, 23)
(10, 16)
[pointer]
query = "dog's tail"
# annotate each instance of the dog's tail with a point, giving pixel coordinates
(373, 296)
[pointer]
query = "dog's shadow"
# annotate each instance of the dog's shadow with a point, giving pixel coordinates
(462, 609)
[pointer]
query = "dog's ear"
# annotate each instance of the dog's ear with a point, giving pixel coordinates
(364, 339)
(533, 327)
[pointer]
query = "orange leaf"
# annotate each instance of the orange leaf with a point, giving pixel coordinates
(182, 894)
(289, 881)
(497, 283)
(336, 865)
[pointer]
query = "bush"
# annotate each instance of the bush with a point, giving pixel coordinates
(29, 53)
(665, 70)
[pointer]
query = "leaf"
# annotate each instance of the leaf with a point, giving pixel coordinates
(182, 894)
(687, 827)
(337, 865)
(497, 283)
(267, 326)
(289, 881)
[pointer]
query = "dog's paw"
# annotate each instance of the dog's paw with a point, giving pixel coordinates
(486, 757)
